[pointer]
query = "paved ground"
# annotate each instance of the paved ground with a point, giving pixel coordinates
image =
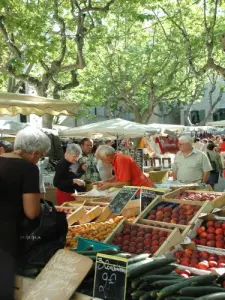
(220, 187)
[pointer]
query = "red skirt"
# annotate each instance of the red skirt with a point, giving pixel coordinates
(62, 197)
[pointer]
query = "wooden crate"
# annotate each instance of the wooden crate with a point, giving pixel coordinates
(218, 202)
(173, 239)
(205, 207)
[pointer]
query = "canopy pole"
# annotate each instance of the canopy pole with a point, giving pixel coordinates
(117, 141)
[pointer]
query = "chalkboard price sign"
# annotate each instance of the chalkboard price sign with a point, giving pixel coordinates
(110, 277)
(139, 157)
(122, 198)
(148, 195)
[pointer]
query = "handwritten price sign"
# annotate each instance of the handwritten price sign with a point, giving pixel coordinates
(110, 277)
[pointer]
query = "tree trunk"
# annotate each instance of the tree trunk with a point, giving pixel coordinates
(46, 119)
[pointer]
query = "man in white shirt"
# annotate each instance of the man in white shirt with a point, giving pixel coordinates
(190, 165)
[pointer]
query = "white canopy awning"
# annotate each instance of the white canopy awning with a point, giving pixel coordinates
(110, 128)
(217, 123)
(14, 104)
(12, 127)
(167, 127)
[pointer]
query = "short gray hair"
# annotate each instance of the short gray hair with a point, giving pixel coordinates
(187, 139)
(74, 149)
(32, 139)
(104, 150)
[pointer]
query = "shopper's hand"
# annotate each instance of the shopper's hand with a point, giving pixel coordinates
(79, 182)
(98, 183)
(104, 186)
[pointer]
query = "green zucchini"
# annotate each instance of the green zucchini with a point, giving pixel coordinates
(180, 298)
(215, 296)
(154, 293)
(139, 268)
(137, 294)
(94, 252)
(163, 283)
(197, 280)
(146, 296)
(198, 291)
(153, 278)
(124, 255)
(145, 286)
(136, 282)
(137, 258)
(163, 270)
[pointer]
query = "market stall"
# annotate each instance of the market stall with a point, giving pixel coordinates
(110, 128)
(164, 244)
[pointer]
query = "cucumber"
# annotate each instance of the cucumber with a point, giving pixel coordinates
(153, 278)
(197, 280)
(180, 298)
(146, 296)
(137, 258)
(198, 291)
(154, 293)
(94, 252)
(124, 255)
(161, 271)
(137, 269)
(215, 296)
(163, 283)
(144, 286)
(137, 294)
(136, 282)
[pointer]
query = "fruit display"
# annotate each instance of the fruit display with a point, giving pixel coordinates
(138, 239)
(173, 213)
(211, 234)
(159, 279)
(199, 259)
(197, 196)
(92, 231)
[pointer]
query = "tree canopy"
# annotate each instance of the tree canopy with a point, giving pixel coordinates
(127, 55)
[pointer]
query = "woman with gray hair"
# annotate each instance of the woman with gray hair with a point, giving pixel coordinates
(19, 180)
(68, 172)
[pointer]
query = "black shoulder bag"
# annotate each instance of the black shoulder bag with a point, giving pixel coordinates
(42, 237)
(212, 162)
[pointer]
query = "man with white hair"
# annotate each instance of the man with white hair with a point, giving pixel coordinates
(127, 171)
(190, 165)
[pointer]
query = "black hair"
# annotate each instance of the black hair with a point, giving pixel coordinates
(85, 140)
(211, 146)
(196, 140)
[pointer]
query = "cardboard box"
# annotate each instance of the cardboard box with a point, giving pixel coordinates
(174, 237)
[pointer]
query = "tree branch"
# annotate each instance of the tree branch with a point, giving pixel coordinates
(9, 42)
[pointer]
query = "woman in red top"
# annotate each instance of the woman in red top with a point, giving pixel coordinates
(127, 171)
